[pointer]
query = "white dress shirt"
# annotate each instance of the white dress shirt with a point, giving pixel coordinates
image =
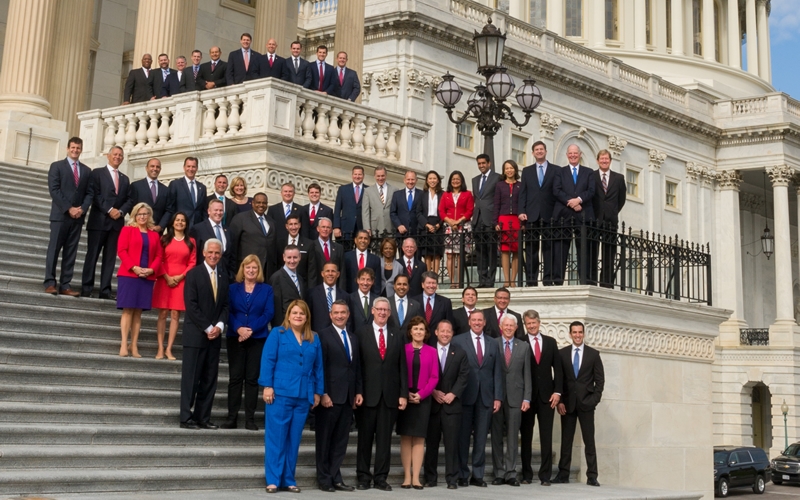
(375, 328)
(209, 270)
(349, 346)
(433, 204)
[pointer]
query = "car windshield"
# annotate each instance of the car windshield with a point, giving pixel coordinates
(720, 458)
(793, 450)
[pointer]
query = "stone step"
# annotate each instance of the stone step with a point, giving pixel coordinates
(13, 224)
(57, 376)
(16, 293)
(55, 327)
(90, 396)
(34, 174)
(67, 310)
(31, 205)
(97, 363)
(23, 265)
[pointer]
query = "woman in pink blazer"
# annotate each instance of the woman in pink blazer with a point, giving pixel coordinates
(412, 423)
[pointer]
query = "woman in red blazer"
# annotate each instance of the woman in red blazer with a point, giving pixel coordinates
(455, 210)
(139, 252)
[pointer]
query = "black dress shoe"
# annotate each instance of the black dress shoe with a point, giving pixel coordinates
(405, 486)
(189, 425)
(512, 482)
(592, 482)
(452, 486)
(107, 296)
(525, 481)
(343, 487)
(362, 486)
(558, 480)
(498, 481)
(430, 484)
(545, 483)
(228, 424)
(417, 486)
(208, 425)
(383, 486)
(250, 426)
(327, 489)
(463, 482)
(86, 294)
(478, 482)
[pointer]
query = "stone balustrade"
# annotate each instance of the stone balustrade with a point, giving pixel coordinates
(773, 108)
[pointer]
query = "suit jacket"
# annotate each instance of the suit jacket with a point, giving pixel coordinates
(235, 72)
(376, 215)
(180, 200)
(307, 264)
(140, 192)
(336, 253)
(129, 251)
(564, 189)
(317, 299)
(484, 200)
(231, 208)
(485, 381)
(104, 198)
(328, 83)
(537, 202)
(217, 75)
(308, 230)
(300, 77)
(165, 88)
(583, 392)
(442, 309)
(190, 83)
(139, 87)
(460, 320)
(202, 311)
(247, 238)
(387, 377)
(422, 212)
(387, 284)
(277, 214)
(415, 278)
(492, 327)
(453, 379)
(517, 373)
(357, 317)
(411, 308)
(204, 231)
(547, 376)
(399, 213)
(342, 376)
(347, 211)
(284, 291)
(465, 207)
(428, 369)
(275, 70)
(256, 315)
(351, 271)
(64, 193)
(608, 204)
(349, 88)
(293, 370)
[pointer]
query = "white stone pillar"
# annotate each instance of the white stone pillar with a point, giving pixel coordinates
(729, 284)
(597, 24)
(677, 27)
(781, 330)
(640, 26)
(517, 9)
(734, 35)
(660, 16)
(555, 17)
(763, 40)
(350, 33)
(654, 209)
(709, 31)
(274, 19)
(752, 37)
(691, 214)
(165, 26)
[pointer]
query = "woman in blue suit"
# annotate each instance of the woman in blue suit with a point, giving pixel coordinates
(291, 373)
(251, 307)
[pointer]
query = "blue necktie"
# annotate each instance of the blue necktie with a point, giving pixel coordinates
(575, 175)
(401, 312)
(194, 195)
(224, 213)
(480, 188)
(346, 346)
(541, 175)
(410, 200)
(288, 211)
(218, 232)
(261, 223)
(576, 363)
(330, 298)
(296, 283)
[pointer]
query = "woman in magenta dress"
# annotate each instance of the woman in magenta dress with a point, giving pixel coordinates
(179, 257)
(506, 219)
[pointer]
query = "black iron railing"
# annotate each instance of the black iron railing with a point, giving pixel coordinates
(754, 336)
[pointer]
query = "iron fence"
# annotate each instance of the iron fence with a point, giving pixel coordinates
(754, 336)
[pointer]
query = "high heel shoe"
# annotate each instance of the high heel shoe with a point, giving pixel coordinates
(171, 357)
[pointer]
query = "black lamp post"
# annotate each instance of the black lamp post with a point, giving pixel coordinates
(487, 104)
(767, 240)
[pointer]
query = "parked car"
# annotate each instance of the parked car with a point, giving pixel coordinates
(740, 467)
(786, 466)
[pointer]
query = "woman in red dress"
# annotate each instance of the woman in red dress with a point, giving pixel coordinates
(455, 210)
(179, 257)
(506, 219)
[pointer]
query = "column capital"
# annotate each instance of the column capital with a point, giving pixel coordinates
(780, 175)
(616, 145)
(729, 180)
(751, 202)
(549, 124)
(657, 158)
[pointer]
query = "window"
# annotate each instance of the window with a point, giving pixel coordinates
(632, 182)
(612, 21)
(574, 18)
(519, 149)
(538, 15)
(669, 24)
(717, 33)
(464, 133)
(671, 194)
(648, 15)
(697, 27)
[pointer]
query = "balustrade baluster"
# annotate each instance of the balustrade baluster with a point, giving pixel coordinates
(141, 132)
(233, 118)
(346, 134)
(222, 117)
(392, 147)
(209, 124)
(380, 140)
(333, 127)
(163, 128)
(119, 139)
(173, 111)
(322, 123)
(111, 130)
(152, 130)
(358, 135)
(308, 121)
(369, 138)
(298, 122)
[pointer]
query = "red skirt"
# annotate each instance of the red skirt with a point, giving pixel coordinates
(509, 225)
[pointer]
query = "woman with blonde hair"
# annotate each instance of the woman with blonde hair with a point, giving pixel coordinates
(238, 191)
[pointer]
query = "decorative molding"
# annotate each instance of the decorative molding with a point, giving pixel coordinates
(276, 178)
(616, 145)
(780, 175)
(254, 178)
(388, 82)
(549, 124)
(437, 80)
(708, 176)
(750, 202)
(694, 171)
(418, 83)
(366, 85)
(657, 158)
(582, 132)
(729, 180)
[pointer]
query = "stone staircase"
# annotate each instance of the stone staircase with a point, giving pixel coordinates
(77, 418)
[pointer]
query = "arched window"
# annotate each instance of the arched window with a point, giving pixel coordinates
(573, 18)
(612, 20)
(538, 15)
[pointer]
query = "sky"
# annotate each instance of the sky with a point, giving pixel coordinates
(784, 31)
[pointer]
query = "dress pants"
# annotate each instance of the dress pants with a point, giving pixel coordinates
(375, 424)
(284, 421)
(475, 420)
(545, 415)
(568, 425)
(561, 249)
(486, 247)
(64, 236)
(244, 364)
(332, 435)
(533, 239)
(199, 371)
(449, 425)
(105, 241)
(505, 424)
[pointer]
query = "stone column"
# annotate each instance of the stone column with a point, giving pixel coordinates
(691, 213)
(752, 37)
(517, 10)
(597, 26)
(677, 27)
(660, 40)
(350, 33)
(274, 19)
(640, 26)
(734, 35)
(70, 60)
(654, 209)
(26, 57)
(729, 284)
(555, 17)
(166, 26)
(709, 31)
(781, 330)
(763, 41)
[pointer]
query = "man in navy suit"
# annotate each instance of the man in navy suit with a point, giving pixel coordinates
(271, 64)
(280, 213)
(140, 85)
(68, 182)
(212, 73)
(413, 267)
(483, 187)
(310, 214)
(346, 81)
(295, 68)
(108, 189)
(320, 297)
(151, 191)
(610, 192)
(573, 189)
(405, 203)
(166, 83)
(243, 63)
(212, 228)
(192, 73)
(186, 194)
(362, 299)
(220, 186)
(347, 209)
(435, 307)
(287, 284)
(359, 258)
(536, 202)
(325, 250)
(322, 73)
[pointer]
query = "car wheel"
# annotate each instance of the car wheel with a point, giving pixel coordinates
(777, 481)
(760, 485)
(722, 487)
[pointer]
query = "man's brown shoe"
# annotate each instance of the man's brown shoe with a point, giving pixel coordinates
(51, 290)
(70, 292)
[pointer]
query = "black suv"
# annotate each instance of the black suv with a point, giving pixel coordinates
(786, 466)
(740, 467)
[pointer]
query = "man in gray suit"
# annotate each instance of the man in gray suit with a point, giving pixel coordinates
(377, 204)
(483, 186)
(517, 369)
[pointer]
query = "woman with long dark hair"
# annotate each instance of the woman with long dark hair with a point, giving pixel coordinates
(455, 210)
(506, 219)
(431, 226)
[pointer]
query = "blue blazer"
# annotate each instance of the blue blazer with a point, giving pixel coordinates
(565, 188)
(350, 88)
(328, 82)
(256, 316)
(346, 212)
(180, 200)
(399, 212)
(291, 369)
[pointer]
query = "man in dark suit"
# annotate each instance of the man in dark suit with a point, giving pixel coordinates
(384, 374)
(165, 80)
(206, 297)
(280, 212)
(573, 188)
(108, 189)
(362, 300)
(403, 307)
(536, 202)
(151, 191)
(610, 193)
(68, 183)
(271, 64)
(469, 301)
(212, 73)
(188, 195)
(321, 297)
(346, 81)
(358, 259)
(347, 209)
(295, 68)
(343, 392)
(413, 267)
(287, 285)
(212, 228)
(243, 63)
(180, 72)
(322, 73)
(445, 418)
(140, 85)
(482, 397)
(494, 315)
(325, 250)
(405, 204)
(435, 307)
(252, 232)
(584, 380)
(307, 264)
(546, 388)
(192, 73)
(229, 206)
(310, 214)
(483, 186)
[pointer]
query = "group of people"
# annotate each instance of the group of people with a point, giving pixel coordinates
(244, 64)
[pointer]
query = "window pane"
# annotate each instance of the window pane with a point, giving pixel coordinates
(648, 21)
(538, 13)
(671, 194)
(632, 178)
(464, 136)
(519, 150)
(697, 30)
(612, 23)
(574, 21)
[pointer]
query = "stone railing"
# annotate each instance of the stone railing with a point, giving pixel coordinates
(770, 107)
(633, 76)
(314, 8)
(581, 55)
(756, 105)
(470, 10)
(524, 32)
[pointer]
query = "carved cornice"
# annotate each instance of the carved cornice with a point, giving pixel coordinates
(616, 145)
(549, 124)
(780, 175)
(751, 202)
(729, 180)
(657, 158)
(388, 82)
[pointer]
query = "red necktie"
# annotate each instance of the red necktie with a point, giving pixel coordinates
(409, 267)
(356, 191)
(428, 311)
(321, 76)
(341, 77)
(313, 214)
(361, 262)
(499, 317)
(270, 60)
(213, 65)
(480, 352)
(508, 353)
(246, 60)
(75, 173)
(381, 343)
(537, 352)
(325, 251)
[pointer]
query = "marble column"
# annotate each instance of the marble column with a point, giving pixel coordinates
(763, 40)
(781, 330)
(709, 31)
(517, 10)
(555, 17)
(677, 27)
(350, 33)
(752, 37)
(274, 19)
(734, 35)
(597, 26)
(70, 58)
(165, 26)
(660, 40)
(653, 190)
(729, 283)
(640, 26)
(24, 78)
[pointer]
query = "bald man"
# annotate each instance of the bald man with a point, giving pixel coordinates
(271, 62)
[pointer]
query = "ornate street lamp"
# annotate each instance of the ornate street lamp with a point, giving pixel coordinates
(785, 411)
(487, 104)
